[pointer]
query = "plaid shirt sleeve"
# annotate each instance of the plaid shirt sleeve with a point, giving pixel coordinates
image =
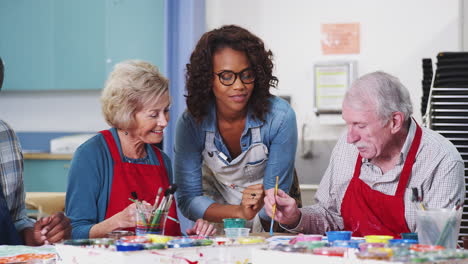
(11, 176)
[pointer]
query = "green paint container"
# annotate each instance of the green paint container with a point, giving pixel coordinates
(234, 222)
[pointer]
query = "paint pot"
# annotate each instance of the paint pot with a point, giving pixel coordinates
(234, 222)
(365, 246)
(347, 243)
(310, 245)
(222, 241)
(376, 254)
(378, 239)
(154, 246)
(135, 239)
(236, 232)
(426, 248)
(180, 243)
(78, 242)
(393, 242)
(338, 235)
(413, 236)
(103, 242)
(159, 238)
(125, 246)
(117, 234)
(290, 248)
(251, 240)
(305, 238)
(330, 251)
(203, 242)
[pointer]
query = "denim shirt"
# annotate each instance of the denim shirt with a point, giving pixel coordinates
(278, 132)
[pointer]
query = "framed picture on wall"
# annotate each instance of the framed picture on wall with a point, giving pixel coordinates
(331, 80)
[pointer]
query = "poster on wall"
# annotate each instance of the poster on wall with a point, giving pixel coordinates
(332, 79)
(340, 38)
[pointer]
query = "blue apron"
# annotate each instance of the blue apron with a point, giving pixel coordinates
(8, 233)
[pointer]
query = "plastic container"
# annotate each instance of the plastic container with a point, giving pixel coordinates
(413, 236)
(159, 238)
(154, 246)
(402, 241)
(236, 232)
(222, 241)
(135, 239)
(338, 235)
(203, 242)
(117, 234)
(376, 254)
(365, 246)
(425, 248)
(251, 240)
(347, 243)
(124, 246)
(378, 239)
(330, 251)
(312, 244)
(79, 242)
(181, 243)
(234, 222)
(103, 242)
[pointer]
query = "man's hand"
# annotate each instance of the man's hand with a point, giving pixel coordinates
(48, 230)
(287, 212)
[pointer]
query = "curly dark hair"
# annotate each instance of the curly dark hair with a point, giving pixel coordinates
(199, 75)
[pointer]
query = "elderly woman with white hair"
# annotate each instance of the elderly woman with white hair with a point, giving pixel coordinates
(116, 163)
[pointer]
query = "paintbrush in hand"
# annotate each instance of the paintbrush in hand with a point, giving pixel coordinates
(274, 207)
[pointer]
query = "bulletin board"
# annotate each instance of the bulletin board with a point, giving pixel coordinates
(331, 80)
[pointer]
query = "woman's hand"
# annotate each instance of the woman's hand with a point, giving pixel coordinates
(252, 201)
(201, 228)
(125, 218)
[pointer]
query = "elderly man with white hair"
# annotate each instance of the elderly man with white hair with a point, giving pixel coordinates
(377, 167)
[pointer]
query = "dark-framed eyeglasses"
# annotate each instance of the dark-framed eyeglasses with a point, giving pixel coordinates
(247, 76)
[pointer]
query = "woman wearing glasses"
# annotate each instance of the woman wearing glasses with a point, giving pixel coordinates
(235, 137)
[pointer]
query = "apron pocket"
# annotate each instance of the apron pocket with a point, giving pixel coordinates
(254, 171)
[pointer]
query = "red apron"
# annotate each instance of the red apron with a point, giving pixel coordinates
(144, 179)
(370, 212)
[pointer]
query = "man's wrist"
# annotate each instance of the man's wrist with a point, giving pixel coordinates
(293, 224)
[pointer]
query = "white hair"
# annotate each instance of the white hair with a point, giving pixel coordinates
(385, 91)
(130, 86)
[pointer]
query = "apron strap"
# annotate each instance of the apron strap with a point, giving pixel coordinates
(410, 159)
(160, 159)
(256, 135)
(114, 150)
(209, 141)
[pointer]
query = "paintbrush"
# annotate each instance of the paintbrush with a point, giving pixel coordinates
(156, 200)
(162, 206)
(137, 204)
(274, 207)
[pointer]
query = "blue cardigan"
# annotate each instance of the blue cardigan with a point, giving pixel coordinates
(90, 182)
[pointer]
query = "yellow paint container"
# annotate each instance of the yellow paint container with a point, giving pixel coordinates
(378, 239)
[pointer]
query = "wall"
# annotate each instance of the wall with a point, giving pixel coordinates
(395, 36)
(66, 111)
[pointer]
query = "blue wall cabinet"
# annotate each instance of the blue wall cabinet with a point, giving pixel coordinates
(73, 45)
(46, 175)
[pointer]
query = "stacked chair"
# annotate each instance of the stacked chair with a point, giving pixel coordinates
(426, 83)
(447, 111)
